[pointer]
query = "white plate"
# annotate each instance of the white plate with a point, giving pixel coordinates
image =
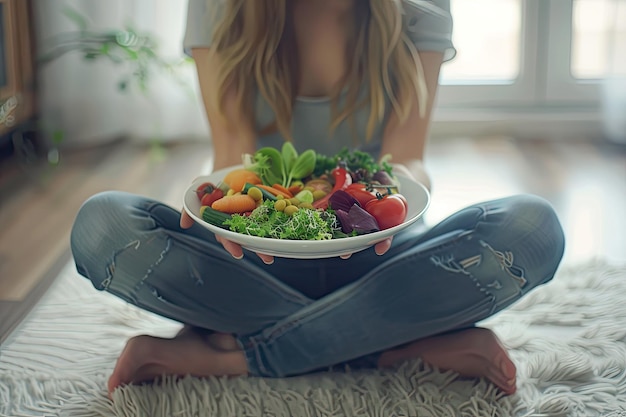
(416, 194)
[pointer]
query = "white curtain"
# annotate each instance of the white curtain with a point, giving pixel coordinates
(81, 98)
(614, 91)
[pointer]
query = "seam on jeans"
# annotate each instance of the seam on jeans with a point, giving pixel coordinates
(252, 352)
(168, 245)
(110, 268)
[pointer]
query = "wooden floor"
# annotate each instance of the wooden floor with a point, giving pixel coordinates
(39, 203)
(586, 182)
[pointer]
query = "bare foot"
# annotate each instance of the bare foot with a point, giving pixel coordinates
(475, 352)
(196, 353)
(221, 341)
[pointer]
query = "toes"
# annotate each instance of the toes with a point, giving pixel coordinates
(507, 385)
(223, 341)
(149, 373)
(112, 384)
(135, 354)
(507, 368)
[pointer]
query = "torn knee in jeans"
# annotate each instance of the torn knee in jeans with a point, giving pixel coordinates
(449, 263)
(104, 285)
(504, 259)
(130, 264)
(506, 263)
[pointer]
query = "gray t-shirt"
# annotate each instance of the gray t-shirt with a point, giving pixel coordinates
(429, 26)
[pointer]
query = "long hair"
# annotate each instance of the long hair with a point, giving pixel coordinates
(255, 42)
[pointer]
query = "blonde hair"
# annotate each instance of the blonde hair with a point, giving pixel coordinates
(253, 57)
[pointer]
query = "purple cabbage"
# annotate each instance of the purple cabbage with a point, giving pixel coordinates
(357, 219)
(362, 221)
(341, 200)
(351, 215)
(344, 220)
(383, 178)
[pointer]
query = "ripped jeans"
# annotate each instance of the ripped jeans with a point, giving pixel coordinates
(298, 316)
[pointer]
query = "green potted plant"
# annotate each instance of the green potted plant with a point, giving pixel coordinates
(136, 51)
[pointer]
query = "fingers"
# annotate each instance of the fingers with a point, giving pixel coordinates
(237, 252)
(268, 259)
(231, 247)
(382, 247)
(185, 220)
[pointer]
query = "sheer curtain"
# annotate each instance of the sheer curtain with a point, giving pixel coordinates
(81, 98)
(614, 91)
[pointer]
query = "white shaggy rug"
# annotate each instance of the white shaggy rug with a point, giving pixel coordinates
(567, 338)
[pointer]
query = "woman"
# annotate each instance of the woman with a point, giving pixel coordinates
(323, 74)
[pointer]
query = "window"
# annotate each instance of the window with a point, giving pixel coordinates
(599, 28)
(487, 36)
(492, 65)
(528, 60)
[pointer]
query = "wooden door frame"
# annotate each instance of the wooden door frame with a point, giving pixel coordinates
(19, 53)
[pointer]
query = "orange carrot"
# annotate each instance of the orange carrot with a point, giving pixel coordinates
(237, 179)
(283, 189)
(274, 191)
(230, 204)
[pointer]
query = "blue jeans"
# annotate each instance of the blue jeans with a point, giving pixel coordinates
(298, 316)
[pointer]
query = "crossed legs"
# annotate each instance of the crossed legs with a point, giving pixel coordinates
(421, 290)
(474, 352)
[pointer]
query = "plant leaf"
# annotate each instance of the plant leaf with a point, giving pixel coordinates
(289, 155)
(303, 167)
(76, 17)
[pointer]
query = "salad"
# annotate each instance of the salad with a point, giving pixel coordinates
(281, 194)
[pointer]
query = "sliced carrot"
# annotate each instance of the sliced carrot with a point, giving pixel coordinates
(273, 190)
(231, 204)
(283, 189)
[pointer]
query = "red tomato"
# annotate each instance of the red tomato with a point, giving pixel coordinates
(389, 210)
(209, 198)
(403, 198)
(360, 193)
(204, 188)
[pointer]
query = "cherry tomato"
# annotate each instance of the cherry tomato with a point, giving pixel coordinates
(209, 198)
(388, 210)
(205, 188)
(360, 193)
(403, 198)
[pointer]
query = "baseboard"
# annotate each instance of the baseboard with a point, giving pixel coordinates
(573, 123)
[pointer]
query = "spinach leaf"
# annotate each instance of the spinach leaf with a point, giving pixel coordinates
(303, 166)
(289, 155)
(267, 163)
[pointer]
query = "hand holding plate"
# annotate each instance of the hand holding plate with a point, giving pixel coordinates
(186, 221)
(237, 251)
